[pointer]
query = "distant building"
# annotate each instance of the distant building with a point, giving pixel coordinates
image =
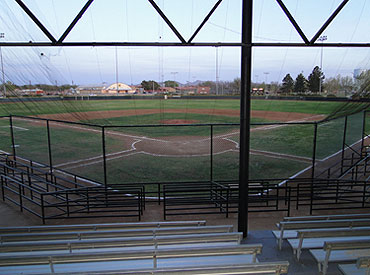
(118, 88)
(203, 90)
(166, 90)
(190, 90)
(31, 92)
(89, 89)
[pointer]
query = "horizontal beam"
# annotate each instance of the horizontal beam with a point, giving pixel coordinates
(178, 44)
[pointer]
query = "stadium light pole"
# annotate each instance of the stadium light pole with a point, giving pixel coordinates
(2, 35)
(245, 110)
(322, 39)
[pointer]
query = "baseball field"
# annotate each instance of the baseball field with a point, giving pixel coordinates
(173, 140)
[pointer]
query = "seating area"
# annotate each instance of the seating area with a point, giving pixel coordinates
(329, 239)
(50, 194)
(142, 248)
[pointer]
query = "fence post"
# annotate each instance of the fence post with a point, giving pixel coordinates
(211, 156)
(2, 188)
(313, 166)
(104, 159)
(343, 143)
(12, 136)
(49, 149)
(363, 135)
(314, 151)
(42, 209)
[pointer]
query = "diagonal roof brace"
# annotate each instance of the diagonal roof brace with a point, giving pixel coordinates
(205, 21)
(292, 20)
(74, 22)
(326, 24)
(37, 22)
(160, 12)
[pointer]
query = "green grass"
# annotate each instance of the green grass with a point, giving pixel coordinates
(67, 144)
(73, 144)
(146, 168)
(67, 106)
(165, 131)
(293, 140)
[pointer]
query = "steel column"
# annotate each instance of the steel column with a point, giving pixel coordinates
(12, 136)
(104, 157)
(314, 152)
(343, 143)
(245, 108)
(363, 134)
(211, 155)
(49, 149)
(313, 168)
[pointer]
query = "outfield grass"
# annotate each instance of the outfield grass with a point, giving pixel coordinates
(67, 106)
(165, 131)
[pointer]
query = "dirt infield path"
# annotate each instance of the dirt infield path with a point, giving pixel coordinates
(268, 115)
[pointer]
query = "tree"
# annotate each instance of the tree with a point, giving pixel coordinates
(171, 83)
(235, 86)
(332, 85)
(346, 84)
(363, 84)
(315, 80)
(288, 85)
(300, 86)
(150, 85)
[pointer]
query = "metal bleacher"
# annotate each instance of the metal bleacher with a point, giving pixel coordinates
(329, 239)
(138, 248)
(50, 194)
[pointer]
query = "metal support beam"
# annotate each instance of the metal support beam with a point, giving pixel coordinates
(204, 21)
(326, 24)
(104, 157)
(12, 136)
(179, 44)
(314, 151)
(37, 22)
(292, 20)
(49, 147)
(74, 22)
(245, 108)
(164, 17)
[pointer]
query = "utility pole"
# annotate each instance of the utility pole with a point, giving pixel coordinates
(117, 70)
(217, 77)
(174, 75)
(322, 39)
(2, 35)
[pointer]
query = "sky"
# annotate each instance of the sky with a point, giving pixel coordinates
(137, 21)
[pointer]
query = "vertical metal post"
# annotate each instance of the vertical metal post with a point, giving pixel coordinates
(49, 149)
(313, 167)
(343, 143)
(42, 209)
(362, 155)
(12, 136)
(314, 152)
(104, 158)
(245, 108)
(211, 156)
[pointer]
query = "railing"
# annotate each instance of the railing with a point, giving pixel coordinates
(93, 202)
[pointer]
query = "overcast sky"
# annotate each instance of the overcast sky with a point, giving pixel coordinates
(137, 21)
